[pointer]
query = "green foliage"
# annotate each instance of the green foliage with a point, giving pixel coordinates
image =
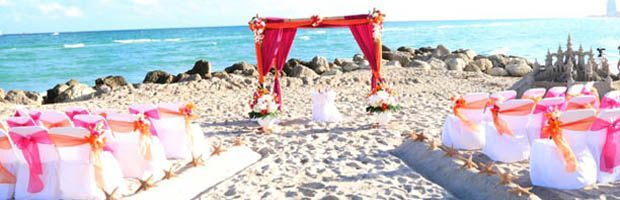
(389, 108)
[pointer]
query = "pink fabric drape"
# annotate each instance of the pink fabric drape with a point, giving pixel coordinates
(275, 48)
(610, 155)
(29, 145)
(363, 34)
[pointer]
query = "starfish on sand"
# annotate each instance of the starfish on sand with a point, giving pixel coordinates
(110, 196)
(217, 150)
(238, 141)
(505, 178)
(520, 191)
(420, 137)
(469, 163)
(487, 169)
(145, 184)
(433, 145)
(168, 174)
(197, 161)
(450, 152)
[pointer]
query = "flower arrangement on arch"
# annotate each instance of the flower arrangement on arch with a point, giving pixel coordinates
(264, 104)
(382, 99)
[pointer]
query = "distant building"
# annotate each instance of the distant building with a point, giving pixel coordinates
(611, 8)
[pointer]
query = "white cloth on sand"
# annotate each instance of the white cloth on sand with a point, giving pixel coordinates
(324, 107)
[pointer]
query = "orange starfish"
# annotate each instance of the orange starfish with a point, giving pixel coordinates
(487, 169)
(168, 174)
(505, 178)
(412, 136)
(469, 163)
(197, 161)
(433, 145)
(217, 150)
(145, 184)
(519, 191)
(450, 152)
(110, 196)
(421, 137)
(238, 141)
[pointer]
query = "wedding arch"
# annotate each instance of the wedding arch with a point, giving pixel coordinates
(273, 38)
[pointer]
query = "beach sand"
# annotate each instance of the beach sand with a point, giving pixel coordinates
(346, 160)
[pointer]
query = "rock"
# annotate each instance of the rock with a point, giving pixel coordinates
(385, 48)
(357, 58)
(406, 49)
(483, 64)
(437, 64)
(111, 81)
(440, 52)
(341, 61)
(2, 94)
(497, 71)
(468, 53)
(498, 60)
(518, 67)
(242, 68)
(69, 91)
(158, 76)
(350, 66)
(201, 67)
(364, 64)
(299, 70)
(402, 57)
(419, 64)
(457, 64)
(332, 72)
(472, 67)
(104, 89)
(183, 77)
(221, 75)
(319, 64)
(394, 64)
(23, 97)
(457, 55)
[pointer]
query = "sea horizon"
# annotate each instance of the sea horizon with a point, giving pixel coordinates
(87, 55)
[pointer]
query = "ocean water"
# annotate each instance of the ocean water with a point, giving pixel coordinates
(39, 61)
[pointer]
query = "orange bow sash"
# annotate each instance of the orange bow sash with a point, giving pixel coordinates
(138, 125)
(6, 177)
(96, 145)
(187, 113)
(49, 125)
(501, 125)
(577, 106)
(553, 130)
(460, 103)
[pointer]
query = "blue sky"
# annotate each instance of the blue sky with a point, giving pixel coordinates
(17, 16)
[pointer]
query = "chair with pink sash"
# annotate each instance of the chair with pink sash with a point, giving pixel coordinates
(541, 113)
(582, 102)
(139, 153)
(604, 144)
(564, 161)
(8, 166)
(558, 91)
(84, 166)
(181, 139)
(463, 129)
(13, 122)
(54, 119)
(33, 114)
(498, 98)
(535, 94)
(73, 111)
(507, 136)
(36, 176)
(611, 100)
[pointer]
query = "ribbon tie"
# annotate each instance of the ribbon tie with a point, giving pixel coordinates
(460, 103)
(143, 127)
(553, 130)
(188, 114)
(76, 111)
(501, 125)
(609, 154)
(6, 177)
(536, 99)
(546, 111)
(609, 103)
(29, 145)
(97, 145)
(19, 122)
(578, 106)
(49, 125)
(150, 114)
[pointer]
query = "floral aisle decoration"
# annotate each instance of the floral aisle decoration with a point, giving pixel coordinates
(265, 108)
(382, 102)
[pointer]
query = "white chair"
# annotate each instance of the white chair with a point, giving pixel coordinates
(502, 146)
(575, 90)
(13, 122)
(496, 99)
(611, 100)
(548, 166)
(181, 139)
(558, 91)
(582, 102)
(25, 187)
(9, 164)
(535, 94)
(467, 131)
(53, 119)
(604, 131)
(538, 119)
(139, 156)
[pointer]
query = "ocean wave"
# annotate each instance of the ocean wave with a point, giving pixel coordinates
(496, 24)
(503, 50)
(146, 40)
(305, 38)
(172, 40)
(318, 32)
(73, 46)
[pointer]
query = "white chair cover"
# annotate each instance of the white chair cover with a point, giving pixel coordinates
(8, 160)
(126, 149)
(173, 133)
(515, 147)
(49, 162)
(543, 107)
(54, 119)
(547, 165)
(456, 134)
(596, 141)
(534, 93)
(582, 102)
(559, 91)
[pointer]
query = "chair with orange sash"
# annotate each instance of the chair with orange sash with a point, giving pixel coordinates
(558, 91)
(139, 153)
(180, 137)
(13, 122)
(604, 142)
(37, 174)
(506, 135)
(540, 115)
(463, 128)
(54, 119)
(535, 94)
(84, 166)
(582, 102)
(496, 99)
(8, 166)
(562, 160)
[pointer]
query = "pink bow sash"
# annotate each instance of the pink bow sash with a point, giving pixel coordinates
(609, 103)
(19, 122)
(150, 114)
(30, 150)
(551, 93)
(21, 113)
(35, 116)
(610, 155)
(76, 111)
